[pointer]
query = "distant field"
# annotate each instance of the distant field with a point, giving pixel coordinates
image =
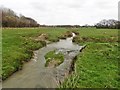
(97, 35)
(96, 66)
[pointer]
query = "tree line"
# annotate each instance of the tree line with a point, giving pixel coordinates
(10, 19)
(62, 26)
(111, 24)
(108, 24)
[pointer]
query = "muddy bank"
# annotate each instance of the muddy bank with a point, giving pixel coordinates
(36, 75)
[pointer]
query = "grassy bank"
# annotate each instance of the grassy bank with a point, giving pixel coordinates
(18, 46)
(97, 65)
(87, 35)
(54, 59)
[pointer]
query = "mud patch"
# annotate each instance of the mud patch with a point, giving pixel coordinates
(42, 37)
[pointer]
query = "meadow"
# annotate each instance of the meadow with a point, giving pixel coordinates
(18, 46)
(95, 67)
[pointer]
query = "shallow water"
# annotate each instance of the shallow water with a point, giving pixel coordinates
(36, 75)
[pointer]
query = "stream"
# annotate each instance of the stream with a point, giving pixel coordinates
(34, 73)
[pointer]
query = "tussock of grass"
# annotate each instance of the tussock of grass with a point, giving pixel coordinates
(66, 34)
(96, 36)
(53, 59)
(103, 39)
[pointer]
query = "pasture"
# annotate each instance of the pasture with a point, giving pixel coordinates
(95, 67)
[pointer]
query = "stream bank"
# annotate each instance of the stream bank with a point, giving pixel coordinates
(36, 75)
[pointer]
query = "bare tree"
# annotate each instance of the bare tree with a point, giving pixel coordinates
(10, 19)
(111, 23)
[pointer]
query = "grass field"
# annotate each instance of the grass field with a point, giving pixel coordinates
(95, 67)
(18, 46)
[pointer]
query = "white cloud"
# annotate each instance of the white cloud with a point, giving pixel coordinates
(65, 11)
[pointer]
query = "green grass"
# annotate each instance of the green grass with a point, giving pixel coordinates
(96, 36)
(18, 46)
(97, 65)
(53, 58)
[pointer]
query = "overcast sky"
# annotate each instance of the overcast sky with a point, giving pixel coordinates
(72, 12)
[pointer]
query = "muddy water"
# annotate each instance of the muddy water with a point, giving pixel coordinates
(36, 75)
